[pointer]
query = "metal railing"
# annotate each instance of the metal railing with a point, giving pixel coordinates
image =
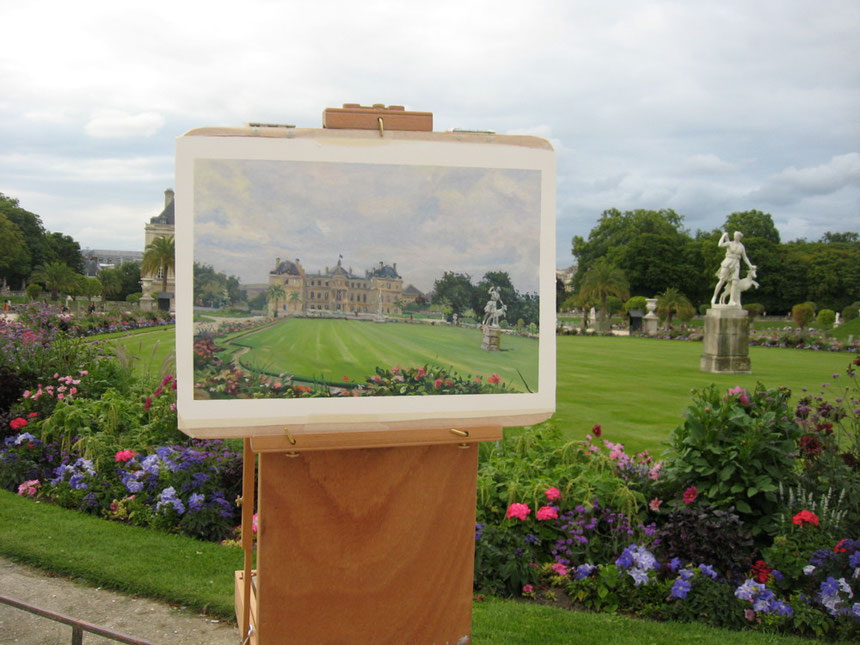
(78, 626)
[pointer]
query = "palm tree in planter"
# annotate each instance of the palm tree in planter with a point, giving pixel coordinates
(672, 302)
(56, 276)
(160, 258)
(602, 280)
(274, 294)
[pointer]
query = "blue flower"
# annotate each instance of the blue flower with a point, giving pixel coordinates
(640, 576)
(583, 571)
(673, 565)
(708, 570)
(680, 588)
(195, 502)
(685, 574)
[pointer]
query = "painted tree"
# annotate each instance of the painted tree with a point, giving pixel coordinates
(160, 258)
(274, 294)
(602, 280)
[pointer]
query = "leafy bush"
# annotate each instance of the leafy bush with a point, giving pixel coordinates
(826, 318)
(802, 314)
(735, 449)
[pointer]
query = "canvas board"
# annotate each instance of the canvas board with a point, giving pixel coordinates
(349, 235)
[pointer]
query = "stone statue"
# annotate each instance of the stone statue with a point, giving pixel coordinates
(729, 273)
(495, 308)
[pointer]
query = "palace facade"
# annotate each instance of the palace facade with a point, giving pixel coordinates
(379, 291)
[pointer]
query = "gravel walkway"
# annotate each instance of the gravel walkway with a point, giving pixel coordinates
(137, 617)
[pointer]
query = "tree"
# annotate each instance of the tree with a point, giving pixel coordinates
(752, 224)
(160, 257)
(14, 255)
(672, 302)
(55, 276)
(30, 226)
(92, 288)
(826, 318)
(111, 281)
(844, 238)
(560, 293)
(66, 250)
(601, 281)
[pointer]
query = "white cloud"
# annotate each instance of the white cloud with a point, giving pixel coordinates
(793, 184)
(707, 164)
(115, 124)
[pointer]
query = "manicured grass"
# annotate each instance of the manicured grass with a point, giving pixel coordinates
(850, 328)
(151, 352)
(637, 388)
(199, 575)
(127, 558)
(330, 350)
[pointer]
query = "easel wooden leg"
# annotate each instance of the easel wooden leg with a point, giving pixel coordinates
(371, 545)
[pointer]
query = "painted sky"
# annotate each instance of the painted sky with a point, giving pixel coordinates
(705, 107)
(425, 219)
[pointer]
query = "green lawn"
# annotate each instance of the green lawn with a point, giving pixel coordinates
(199, 575)
(150, 352)
(637, 388)
(330, 350)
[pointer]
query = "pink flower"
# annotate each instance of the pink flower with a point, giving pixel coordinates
(519, 511)
(421, 373)
(18, 423)
(125, 455)
(437, 383)
(29, 488)
(560, 569)
(32, 415)
(654, 504)
(743, 397)
(148, 403)
(84, 372)
(546, 513)
(254, 523)
(690, 495)
(597, 430)
(528, 590)
(552, 494)
(494, 378)
(26, 394)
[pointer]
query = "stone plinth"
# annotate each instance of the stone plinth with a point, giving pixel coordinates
(726, 342)
(491, 341)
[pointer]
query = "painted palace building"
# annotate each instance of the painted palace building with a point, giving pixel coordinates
(380, 291)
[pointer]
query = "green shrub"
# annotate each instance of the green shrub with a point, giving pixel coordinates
(826, 318)
(802, 314)
(735, 449)
(634, 303)
(850, 312)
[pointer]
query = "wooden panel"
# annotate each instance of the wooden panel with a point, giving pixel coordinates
(358, 117)
(373, 439)
(367, 546)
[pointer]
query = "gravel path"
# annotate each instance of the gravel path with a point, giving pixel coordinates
(137, 617)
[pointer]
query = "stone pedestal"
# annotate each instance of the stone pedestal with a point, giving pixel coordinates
(651, 321)
(491, 341)
(726, 342)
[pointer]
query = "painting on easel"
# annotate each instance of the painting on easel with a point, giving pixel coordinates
(340, 278)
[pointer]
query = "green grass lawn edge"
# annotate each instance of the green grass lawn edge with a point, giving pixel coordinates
(199, 575)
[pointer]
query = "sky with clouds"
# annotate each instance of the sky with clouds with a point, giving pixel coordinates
(703, 107)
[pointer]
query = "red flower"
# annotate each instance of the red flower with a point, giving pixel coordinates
(18, 423)
(552, 494)
(839, 548)
(810, 445)
(125, 455)
(760, 571)
(494, 378)
(805, 516)
(437, 383)
(32, 414)
(148, 403)
(597, 430)
(690, 495)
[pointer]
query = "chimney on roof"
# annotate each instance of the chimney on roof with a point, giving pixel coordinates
(168, 197)
(277, 263)
(394, 266)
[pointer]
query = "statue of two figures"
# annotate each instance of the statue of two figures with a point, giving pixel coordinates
(494, 309)
(730, 284)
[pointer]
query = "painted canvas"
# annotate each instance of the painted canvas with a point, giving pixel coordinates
(335, 279)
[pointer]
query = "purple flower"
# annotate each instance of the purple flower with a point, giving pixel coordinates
(583, 571)
(673, 565)
(195, 502)
(640, 576)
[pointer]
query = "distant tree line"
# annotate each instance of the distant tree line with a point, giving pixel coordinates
(460, 296)
(655, 253)
(215, 289)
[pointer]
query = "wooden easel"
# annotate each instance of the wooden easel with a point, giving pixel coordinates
(363, 537)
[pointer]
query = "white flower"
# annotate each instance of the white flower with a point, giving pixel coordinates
(808, 569)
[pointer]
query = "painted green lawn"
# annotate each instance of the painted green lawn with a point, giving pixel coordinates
(330, 350)
(637, 388)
